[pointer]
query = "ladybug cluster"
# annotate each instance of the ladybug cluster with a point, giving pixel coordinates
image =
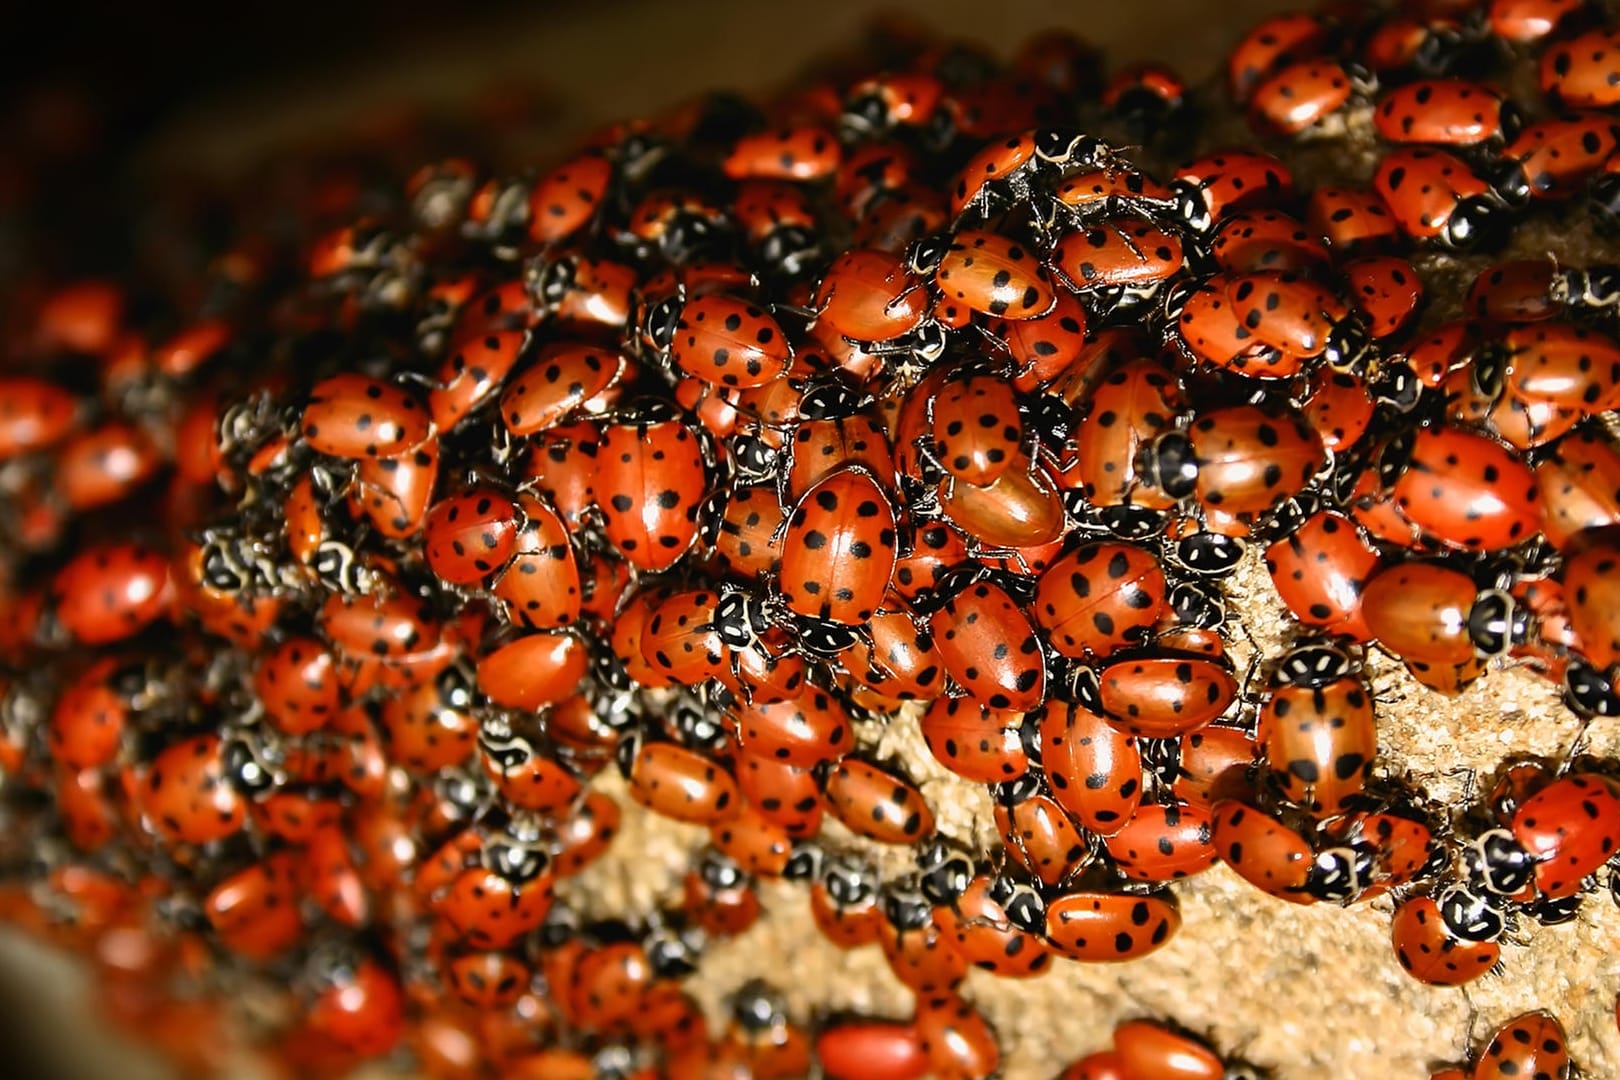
(357, 584)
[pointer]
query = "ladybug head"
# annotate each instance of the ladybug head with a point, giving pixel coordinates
(1347, 345)
(756, 1007)
(866, 113)
(848, 880)
(1023, 904)
(1339, 875)
(1209, 554)
(806, 861)
(515, 860)
(944, 873)
(672, 953)
(1498, 863)
(1397, 386)
(1497, 622)
(249, 773)
(663, 318)
(1057, 146)
(720, 873)
(825, 639)
(1010, 793)
(1469, 916)
(1313, 666)
(906, 908)
(1589, 692)
(1475, 223)
(1169, 464)
(925, 255)
(1197, 604)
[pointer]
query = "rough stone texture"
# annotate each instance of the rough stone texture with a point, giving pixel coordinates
(1310, 992)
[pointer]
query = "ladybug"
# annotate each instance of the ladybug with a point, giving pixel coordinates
(800, 153)
(865, 1049)
(978, 428)
(1099, 926)
(1532, 1044)
(1467, 491)
(1146, 1048)
(476, 367)
(649, 476)
(1580, 72)
(843, 896)
(1352, 219)
(1243, 459)
(35, 414)
(1434, 196)
(1133, 404)
(721, 896)
(562, 378)
(975, 742)
(1568, 829)
(1320, 569)
(1272, 44)
(1115, 264)
(919, 953)
(780, 224)
(876, 803)
(1164, 842)
(1157, 696)
(986, 272)
(1145, 97)
(1112, 193)
(1043, 347)
(805, 731)
(871, 297)
(1300, 96)
(1555, 158)
(1445, 112)
(1254, 240)
(1037, 832)
(839, 549)
(1558, 363)
(955, 1037)
(1209, 188)
(1093, 770)
(898, 658)
(996, 925)
(1429, 952)
(1100, 598)
(352, 416)
(1317, 729)
(104, 464)
(356, 1005)
(990, 648)
(470, 535)
(195, 790)
(723, 340)
(1385, 291)
(297, 683)
(1263, 851)
(109, 592)
(1431, 613)
(788, 795)
(568, 198)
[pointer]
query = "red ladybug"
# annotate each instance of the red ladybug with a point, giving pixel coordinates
(1243, 459)
(1300, 96)
(1581, 72)
(876, 803)
(352, 416)
(1100, 598)
(839, 549)
(996, 924)
(1146, 1048)
(110, 592)
(1263, 851)
(975, 742)
(1097, 926)
(1269, 45)
(1532, 1044)
(872, 1050)
(1320, 570)
(990, 647)
(1164, 842)
(801, 153)
(1447, 112)
(978, 430)
(958, 1041)
(1353, 220)
(1158, 696)
(563, 377)
(649, 476)
(722, 340)
(1467, 491)
(1037, 832)
(1430, 953)
(1434, 196)
(1318, 730)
